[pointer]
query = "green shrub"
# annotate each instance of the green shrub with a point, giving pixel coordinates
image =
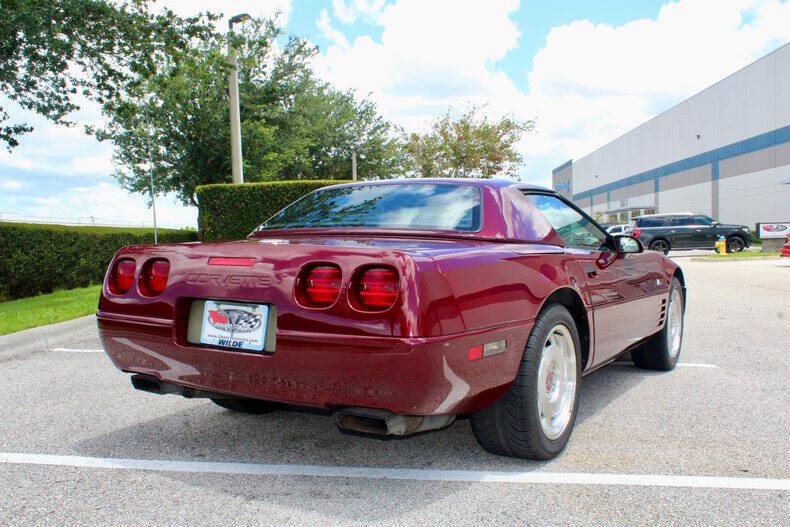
(37, 259)
(230, 212)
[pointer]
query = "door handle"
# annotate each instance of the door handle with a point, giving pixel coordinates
(590, 270)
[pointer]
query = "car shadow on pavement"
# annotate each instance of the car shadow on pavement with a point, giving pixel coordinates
(198, 430)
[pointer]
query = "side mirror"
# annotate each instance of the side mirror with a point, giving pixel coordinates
(627, 244)
(715, 224)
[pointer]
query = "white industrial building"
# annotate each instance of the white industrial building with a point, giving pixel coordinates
(724, 152)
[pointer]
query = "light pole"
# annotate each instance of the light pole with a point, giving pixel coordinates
(233, 91)
(151, 169)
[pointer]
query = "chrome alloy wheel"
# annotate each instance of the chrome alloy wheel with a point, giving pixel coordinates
(556, 381)
(660, 246)
(675, 323)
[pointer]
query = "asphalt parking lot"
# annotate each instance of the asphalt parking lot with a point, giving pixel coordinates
(707, 443)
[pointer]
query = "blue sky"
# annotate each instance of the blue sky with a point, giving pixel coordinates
(534, 20)
(585, 71)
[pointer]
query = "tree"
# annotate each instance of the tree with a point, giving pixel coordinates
(53, 51)
(469, 145)
(293, 125)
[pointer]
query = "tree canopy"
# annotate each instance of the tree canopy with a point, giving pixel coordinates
(467, 145)
(294, 126)
(53, 51)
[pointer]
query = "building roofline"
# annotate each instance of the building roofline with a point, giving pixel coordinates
(562, 166)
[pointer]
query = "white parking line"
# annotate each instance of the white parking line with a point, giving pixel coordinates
(679, 364)
(256, 469)
(72, 350)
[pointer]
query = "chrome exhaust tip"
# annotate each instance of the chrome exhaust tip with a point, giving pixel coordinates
(384, 422)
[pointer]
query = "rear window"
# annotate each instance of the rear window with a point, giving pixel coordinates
(435, 207)
(650, 222)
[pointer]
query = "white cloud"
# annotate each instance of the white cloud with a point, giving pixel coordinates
(60, 150)
(427, 58)
(106, 203)
(325, 25)
(46, 202)
(11, 184)
(349, 13)
(588, 84)
(593, 82)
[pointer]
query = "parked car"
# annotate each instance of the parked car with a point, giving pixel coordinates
(619, 229)
(684, 231)
(399, 305)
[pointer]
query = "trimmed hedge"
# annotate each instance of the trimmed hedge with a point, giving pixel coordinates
(37, 259)
(231, 212)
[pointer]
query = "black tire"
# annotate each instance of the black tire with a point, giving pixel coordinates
(735, 244)
(247, 406)
(661, 245)
(655, 354)
(511, 426)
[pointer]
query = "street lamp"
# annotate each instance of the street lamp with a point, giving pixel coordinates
(151, 167)
(233, 91)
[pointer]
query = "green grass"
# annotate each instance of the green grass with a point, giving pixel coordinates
(88, 228)
(740, 256)
(25, 313)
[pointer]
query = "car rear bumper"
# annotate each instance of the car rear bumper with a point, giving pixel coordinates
(409, 376)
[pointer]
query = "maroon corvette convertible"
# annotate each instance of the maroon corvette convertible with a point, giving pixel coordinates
(399, 305)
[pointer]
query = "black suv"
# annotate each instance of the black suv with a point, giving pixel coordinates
(662, 232)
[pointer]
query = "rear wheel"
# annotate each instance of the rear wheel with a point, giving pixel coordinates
(735, 244)
(534, 419)
(247, 406)
(661, 246)
(662, 351)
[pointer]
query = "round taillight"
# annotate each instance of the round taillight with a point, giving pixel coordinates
(153, 278)
(322, 285)
(377, 288)
(122, 276)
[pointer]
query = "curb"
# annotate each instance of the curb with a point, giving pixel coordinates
(42, 338)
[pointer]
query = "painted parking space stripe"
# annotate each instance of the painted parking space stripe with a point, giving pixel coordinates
(679, 364)
(74, 350)
(478, 476)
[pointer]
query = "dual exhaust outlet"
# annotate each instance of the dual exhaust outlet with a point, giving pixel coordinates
(364, 420)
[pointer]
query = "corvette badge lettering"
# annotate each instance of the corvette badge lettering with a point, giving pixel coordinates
(228, 280)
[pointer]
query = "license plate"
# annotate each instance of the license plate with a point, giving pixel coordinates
(234, 325)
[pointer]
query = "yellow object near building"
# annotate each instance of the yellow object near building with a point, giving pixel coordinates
(721, 246)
